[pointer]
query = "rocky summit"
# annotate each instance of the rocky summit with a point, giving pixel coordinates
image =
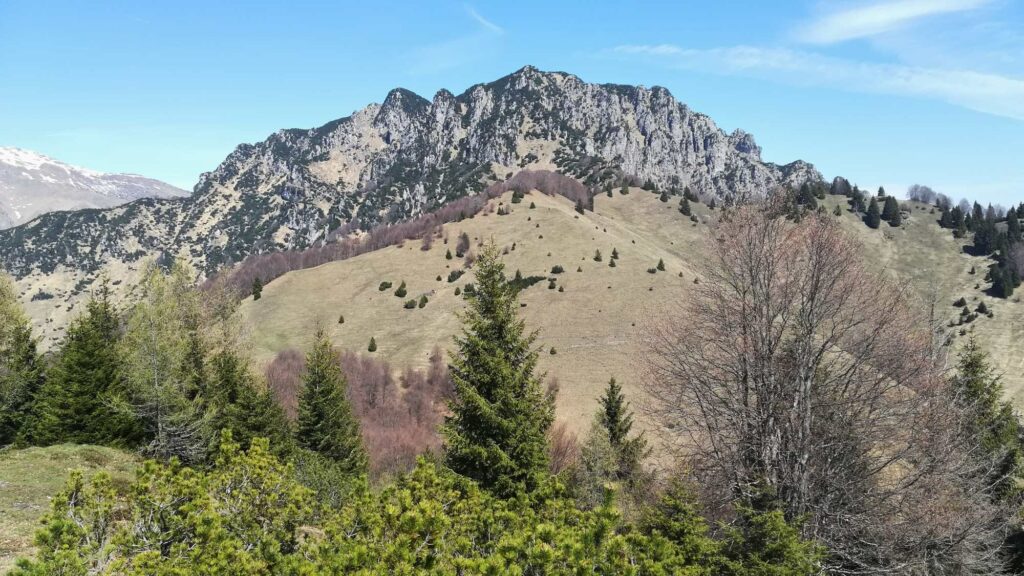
(395, 160)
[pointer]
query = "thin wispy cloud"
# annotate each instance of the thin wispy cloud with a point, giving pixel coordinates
(988, 93)
(472, 46)
(878, 18)
(483, 21)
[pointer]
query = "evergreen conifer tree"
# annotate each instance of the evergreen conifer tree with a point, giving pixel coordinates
(500, 415)
(373, 341)
(873, 218)
(245, 406)
(890, 208)
(980, 390)
(21, 368)
(684, 207)
(257, 289)
(946, 219)
(897, 217)
(1012, 226)
(75, 404)
(661, 265)
(326, 424)
(616, 419)
(857, 202)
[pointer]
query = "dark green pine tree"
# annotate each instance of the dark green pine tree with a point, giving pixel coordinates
(946, 219)
(959, 222)
(890, 209)
(244, 405)
(993, 421)
(21, 377)
(21, 368)
(616, 418)
(500, 415)
(897, 218)
(1012, 226)
(977, 216)
(873, 218)
(75, 403)
(684, 207)
(1004, 280)
(257, 288)
(326, 422)
(857, 202)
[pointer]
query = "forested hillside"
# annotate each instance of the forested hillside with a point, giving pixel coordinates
(793, 365)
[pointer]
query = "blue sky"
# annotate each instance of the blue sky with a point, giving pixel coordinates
(885, 92)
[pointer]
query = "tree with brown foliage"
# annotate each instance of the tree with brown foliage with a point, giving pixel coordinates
(800, 386)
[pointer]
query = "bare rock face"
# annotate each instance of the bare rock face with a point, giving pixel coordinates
(395, 160)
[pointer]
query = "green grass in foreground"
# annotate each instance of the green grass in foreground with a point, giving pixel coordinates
(30, 477)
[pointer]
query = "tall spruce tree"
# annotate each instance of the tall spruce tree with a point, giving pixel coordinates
(857, 202)
(21, 368)
(684, 206)
(890, 209)
(75, 404)
(897, 217)
(993, 421)
(245, 405)
(1012, 226)
(257, 288)
(873, 218)
(617, 420)
(327, 425)
(500, 415)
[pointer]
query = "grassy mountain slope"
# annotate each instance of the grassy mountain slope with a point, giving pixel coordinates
(30, 477)
(597, 324)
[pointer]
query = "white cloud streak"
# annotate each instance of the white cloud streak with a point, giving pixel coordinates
(474, 46)
(878, 18)
(483, 21)
(982, 92)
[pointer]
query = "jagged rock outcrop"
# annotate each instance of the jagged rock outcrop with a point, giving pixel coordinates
(398, 159)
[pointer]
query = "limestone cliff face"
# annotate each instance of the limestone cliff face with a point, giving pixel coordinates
(396, 159)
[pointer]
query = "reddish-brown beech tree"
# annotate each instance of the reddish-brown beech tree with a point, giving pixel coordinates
(345, 242)
(795, 371)
(398, 417)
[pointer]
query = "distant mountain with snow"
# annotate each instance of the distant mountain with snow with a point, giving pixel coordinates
(32, 184)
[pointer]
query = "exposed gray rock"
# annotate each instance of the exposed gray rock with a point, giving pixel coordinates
(398, 159)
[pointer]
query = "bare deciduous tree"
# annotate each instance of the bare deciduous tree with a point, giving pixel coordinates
(793, 370)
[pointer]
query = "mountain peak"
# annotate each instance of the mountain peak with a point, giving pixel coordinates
(407, 156)
(32, 184)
